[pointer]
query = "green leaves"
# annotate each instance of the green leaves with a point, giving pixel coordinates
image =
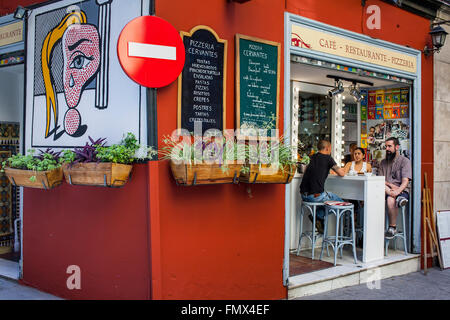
(305, 159)
(42, 162)
(128, 151)
(116, 153)
(68, 156)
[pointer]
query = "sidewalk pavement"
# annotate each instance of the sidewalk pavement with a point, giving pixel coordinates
(12, 290)
(414, 286)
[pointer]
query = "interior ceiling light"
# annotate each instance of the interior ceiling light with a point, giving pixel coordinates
(354, 91)
(338, 88)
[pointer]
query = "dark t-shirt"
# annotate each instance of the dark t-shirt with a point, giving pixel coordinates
(316, 173)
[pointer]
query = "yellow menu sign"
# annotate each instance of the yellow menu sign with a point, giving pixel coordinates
(345, 47)
(11, 33)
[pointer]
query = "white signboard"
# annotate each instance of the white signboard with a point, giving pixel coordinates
(75, 85)
(443, 227)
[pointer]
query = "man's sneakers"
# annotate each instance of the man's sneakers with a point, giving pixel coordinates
(401, 201)
(319, 223)
(390, 233)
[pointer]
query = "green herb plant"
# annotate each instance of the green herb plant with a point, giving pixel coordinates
(127, 152)
(219, 150)
(46, 160)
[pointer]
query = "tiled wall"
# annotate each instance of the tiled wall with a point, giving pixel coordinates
(441, 124)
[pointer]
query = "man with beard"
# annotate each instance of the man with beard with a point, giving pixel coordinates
(397, 170)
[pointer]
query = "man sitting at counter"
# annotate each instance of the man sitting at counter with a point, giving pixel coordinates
(397, 171)
(313, 182)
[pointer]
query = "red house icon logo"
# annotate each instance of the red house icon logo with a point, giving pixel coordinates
(297, 41)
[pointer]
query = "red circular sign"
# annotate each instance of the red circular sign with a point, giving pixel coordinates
(151, 51)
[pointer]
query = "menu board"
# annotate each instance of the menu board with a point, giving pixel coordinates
(201, 85)
(257, 83)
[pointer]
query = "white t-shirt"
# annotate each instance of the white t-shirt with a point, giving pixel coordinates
(363, 169)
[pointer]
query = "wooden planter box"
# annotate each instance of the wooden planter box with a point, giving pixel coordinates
(104, 174)
(202, 174)
(264, 174)
(44, 179)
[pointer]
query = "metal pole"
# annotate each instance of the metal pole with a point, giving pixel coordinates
(152, 115)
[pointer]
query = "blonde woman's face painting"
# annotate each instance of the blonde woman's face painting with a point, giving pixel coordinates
(81, 51)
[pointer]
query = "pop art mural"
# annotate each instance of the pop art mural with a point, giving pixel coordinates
(75, 85)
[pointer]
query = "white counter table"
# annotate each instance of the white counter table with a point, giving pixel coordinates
(371, 191)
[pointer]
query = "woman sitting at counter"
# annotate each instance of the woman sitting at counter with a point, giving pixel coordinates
(358, 165)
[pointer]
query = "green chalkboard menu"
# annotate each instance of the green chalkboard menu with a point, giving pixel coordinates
(201, 85)
(257, 83)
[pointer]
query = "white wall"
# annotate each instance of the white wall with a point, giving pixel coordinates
(441, 121)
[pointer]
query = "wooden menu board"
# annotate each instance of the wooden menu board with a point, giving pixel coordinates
(257, 82)
(201, 85)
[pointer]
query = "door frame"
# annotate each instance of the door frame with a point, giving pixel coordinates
(415, 111)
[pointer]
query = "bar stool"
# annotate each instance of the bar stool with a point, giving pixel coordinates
(399, 234)
(311, 235)
(339, 209)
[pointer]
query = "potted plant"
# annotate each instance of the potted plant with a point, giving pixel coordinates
(277, 169)
(303, 163)
(98, 165)
(200, 162)
(268, 160)
(41, 171)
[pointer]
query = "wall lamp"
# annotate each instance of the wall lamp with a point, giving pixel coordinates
(438, 35)
(21, 13)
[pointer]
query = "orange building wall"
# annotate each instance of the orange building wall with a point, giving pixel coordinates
(218, 242)
(231, 245)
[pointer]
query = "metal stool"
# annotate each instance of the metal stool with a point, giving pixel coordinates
(399, 234)
(311, 235)
(339, 209)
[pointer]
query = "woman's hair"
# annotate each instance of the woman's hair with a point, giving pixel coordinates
(360, 149)
(52, 38)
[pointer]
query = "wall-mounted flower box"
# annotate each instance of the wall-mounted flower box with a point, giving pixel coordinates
(104, 174)
(265, 173)
(203, 173)
(42, 171)
(34, 179)
(108, 166)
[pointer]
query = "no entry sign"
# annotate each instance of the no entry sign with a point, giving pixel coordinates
(151, 51)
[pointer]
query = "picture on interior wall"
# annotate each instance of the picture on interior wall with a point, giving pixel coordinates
(78, 86)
